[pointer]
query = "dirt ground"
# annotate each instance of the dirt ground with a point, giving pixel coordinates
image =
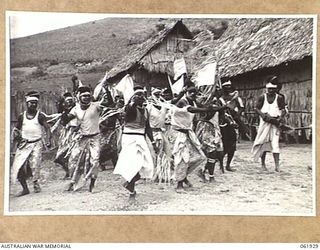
(247, 191)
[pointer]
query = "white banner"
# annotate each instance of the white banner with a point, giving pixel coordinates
(125, 86)
(99, 88)
(206, 75)
(179, 68)
(177, 87)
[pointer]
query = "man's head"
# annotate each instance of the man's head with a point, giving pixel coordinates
(156, 92)
(32, 100)
(274, 80)
(226, 87)
(271, 88)
(138, 95)
(68, 99)
(191, 93)
(119, 101)
(85, 95)
(166, 94)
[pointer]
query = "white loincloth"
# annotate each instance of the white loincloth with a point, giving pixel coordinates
(22, 155)
(267, 140)
(134, 157)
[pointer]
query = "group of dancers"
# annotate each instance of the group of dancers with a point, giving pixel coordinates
(159, 135)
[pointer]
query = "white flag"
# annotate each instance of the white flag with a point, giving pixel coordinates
(206, 75)
(177, 86)
(99, 88)
(179, 68)
(125, 86)
(80, 84)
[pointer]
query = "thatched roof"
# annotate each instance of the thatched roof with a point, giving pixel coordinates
(138, 53)
(255, 43)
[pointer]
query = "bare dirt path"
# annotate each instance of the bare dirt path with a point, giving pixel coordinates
(249, 190)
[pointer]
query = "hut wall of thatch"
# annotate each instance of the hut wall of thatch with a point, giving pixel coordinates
(150, 79)
(151, 62)
(162, 57)
(296, 79)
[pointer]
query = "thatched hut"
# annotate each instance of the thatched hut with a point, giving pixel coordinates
(150, 62)
(251, 50)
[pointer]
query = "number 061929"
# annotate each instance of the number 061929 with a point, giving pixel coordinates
(309, 246)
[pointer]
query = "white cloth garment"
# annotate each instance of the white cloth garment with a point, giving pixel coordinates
(134, 157)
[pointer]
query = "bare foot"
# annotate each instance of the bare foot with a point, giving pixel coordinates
(228, 168)
(187, 182)
(180, 190)
(202, 176)
(264, 168)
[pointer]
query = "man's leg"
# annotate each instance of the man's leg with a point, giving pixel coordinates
(276, 157)
(94, 147)
(73, 167)
(35, 163)
(212, 159)
(263, 161)
(276, 148)
(187, 182)
(63, 162)
(210, 166)
(131, 185)
(220, 156)
(179, 188)
(229, 159)
(23, 181)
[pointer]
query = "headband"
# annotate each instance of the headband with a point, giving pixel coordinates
(68, 98)
(270, 85)
(31, 98)
(228, 83)
(85, 93)
(139, 91)
(156, 91)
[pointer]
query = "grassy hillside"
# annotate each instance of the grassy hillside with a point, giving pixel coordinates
(47, 61)
(106, 39)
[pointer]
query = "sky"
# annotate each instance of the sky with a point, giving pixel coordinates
(23, 24)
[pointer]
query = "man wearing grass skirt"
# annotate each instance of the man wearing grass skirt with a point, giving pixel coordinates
(187, 152)
(209, 134)
(67, 135)
(157, 112)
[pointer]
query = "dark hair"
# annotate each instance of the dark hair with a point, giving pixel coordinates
(188, 82)
(33, 93)
(83, 89)
(67, 94)
(137, 87)
(191, 89)
(273, 80)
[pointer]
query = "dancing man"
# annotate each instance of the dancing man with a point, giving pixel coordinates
(28, 134)
(187, 152)
(87, 114)
(67, 135)
(209, 134)
(135, 160)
